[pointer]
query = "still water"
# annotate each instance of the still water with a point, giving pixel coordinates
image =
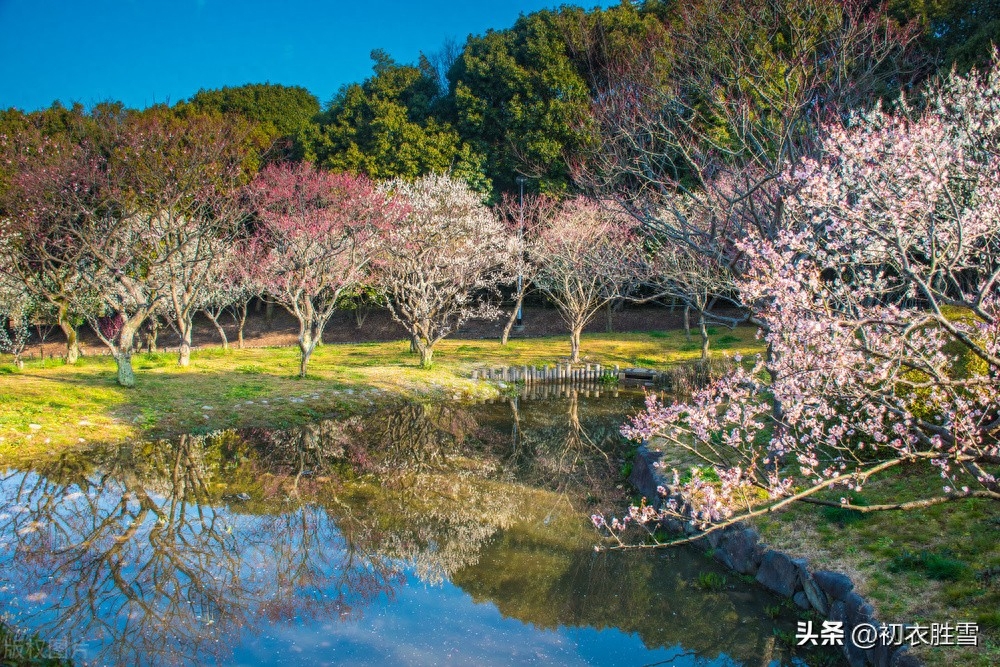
(437, 533)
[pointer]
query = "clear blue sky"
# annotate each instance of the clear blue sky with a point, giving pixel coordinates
(147, 51)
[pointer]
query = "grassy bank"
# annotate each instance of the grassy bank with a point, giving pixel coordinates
(939, 564)
(934, 565)
(50, 406)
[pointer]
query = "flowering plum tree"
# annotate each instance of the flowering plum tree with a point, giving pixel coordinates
(586, 256)
(231, 288)
(16, 308)
(78, 246)
(523, 216)
(695, 279)
(440, 264)
(315, 240)
(882, 313)
(36, 209)
(182, 176)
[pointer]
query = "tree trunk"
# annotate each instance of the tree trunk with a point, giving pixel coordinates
(703, 329)
(126, 376)
(687, 321)
(123, 356)
(426, 354)
(218, 327)
(184, 355)
(574, 341)
(505, 336)
(414, 345)
(306, 346)
(360, 315)
(72, 336)
(320, 330)
(269, 314)
(152, 334)
(241, 322)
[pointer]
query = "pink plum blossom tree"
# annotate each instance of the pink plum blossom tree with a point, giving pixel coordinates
(882, 314)
(38, 208)
(315, 241)
(232, 286)
(586, 256)
(79, 242)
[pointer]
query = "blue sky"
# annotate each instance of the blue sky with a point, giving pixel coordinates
(147, 51)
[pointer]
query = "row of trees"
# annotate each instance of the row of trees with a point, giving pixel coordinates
(162, 215)
(519, 100)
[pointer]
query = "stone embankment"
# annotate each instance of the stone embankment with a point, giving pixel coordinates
(740, 548)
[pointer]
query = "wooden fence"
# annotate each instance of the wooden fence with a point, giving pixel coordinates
(560, 373)
(681, 378)
(571, 374)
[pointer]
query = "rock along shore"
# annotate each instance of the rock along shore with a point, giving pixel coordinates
(740, 548)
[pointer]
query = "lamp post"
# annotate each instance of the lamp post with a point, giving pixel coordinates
(521, 180)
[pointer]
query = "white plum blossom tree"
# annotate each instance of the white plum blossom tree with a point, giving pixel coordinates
(441, 263)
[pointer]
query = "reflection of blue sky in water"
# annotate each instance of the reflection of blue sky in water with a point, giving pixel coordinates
(155, 578)
(433, 625)
(377, 619)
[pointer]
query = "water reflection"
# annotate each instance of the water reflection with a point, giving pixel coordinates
(139, 569)
(201, 549)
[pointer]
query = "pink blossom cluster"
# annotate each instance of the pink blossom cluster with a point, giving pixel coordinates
(879, 308)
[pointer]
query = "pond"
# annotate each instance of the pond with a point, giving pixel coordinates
(418, 533)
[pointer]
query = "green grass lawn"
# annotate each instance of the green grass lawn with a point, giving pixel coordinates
(50, 406)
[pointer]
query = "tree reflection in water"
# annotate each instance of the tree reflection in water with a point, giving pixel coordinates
(181, 551)
(145, 566)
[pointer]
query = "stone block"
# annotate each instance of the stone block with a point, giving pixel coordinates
(644, 476)
(817, 598)
(834, 584)
(740, 551)
(778, 573)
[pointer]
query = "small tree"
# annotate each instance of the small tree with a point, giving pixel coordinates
(441, 263)
(228, 293)
(523, 217)
(360, 301)
(16, 311)
(586, 257)
(314, 241)
(695, 279)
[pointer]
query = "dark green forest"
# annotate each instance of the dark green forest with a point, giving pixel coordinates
(521, 101)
